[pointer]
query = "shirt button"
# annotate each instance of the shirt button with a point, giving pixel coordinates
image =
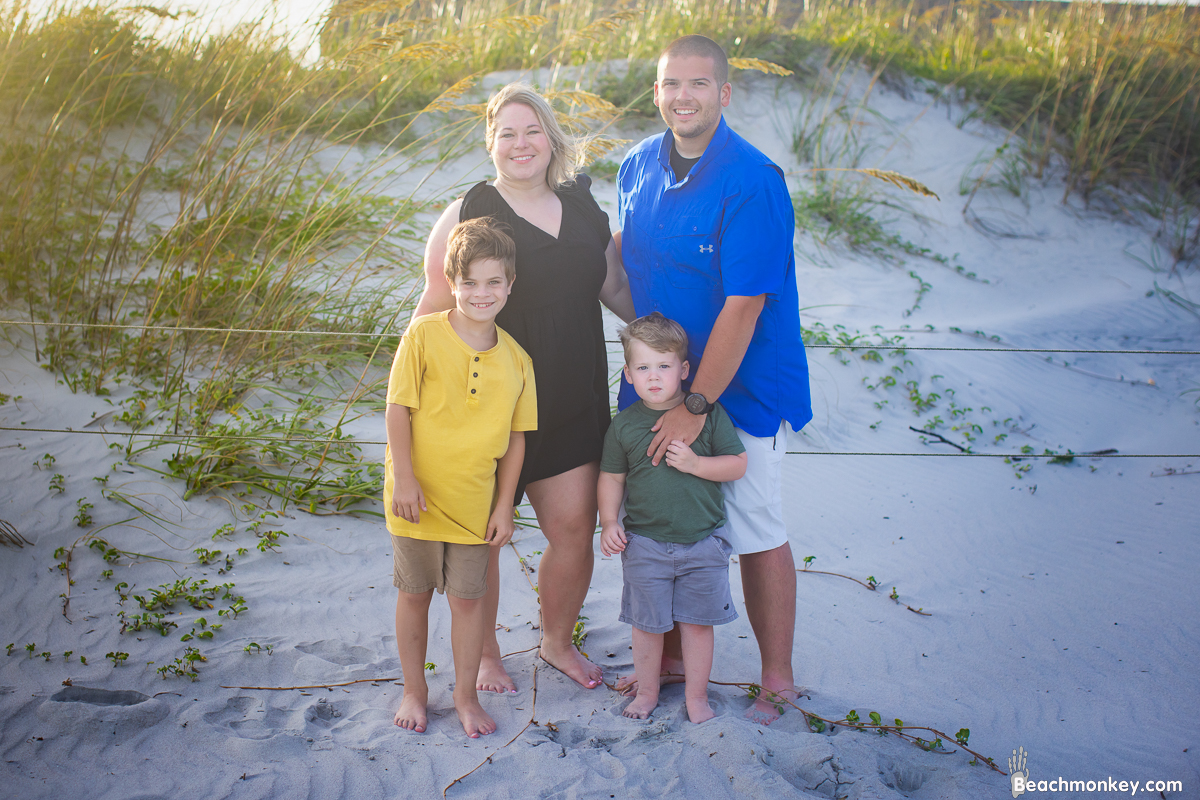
(660, 226)
(476, 358)
(474, 374)
(472, 391)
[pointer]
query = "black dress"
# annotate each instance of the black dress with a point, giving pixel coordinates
(554, 313)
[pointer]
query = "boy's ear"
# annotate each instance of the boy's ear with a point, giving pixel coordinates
(686, 367)
(628, 377)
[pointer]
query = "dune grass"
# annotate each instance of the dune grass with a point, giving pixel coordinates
(194, 185)
(1112, 92)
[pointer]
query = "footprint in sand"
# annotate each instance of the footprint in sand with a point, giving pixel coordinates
(323, 713)
(339, 653)
(902, 777)
(248, 718)
(117, 713)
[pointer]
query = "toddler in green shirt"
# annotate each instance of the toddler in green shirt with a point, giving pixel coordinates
(676, 571)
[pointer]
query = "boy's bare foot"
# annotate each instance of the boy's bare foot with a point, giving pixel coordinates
(699, 710)
(412, 715)
(770, 706)
(493, 677)
(640, 707)
(672, 672)
(474, 719)
(572, 664)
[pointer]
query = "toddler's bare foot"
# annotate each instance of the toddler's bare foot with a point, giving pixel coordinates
(699, 710)
(474, 719)
(572, 663)
(412, 715)
(672, 672)
(493, 677)
(640, 707)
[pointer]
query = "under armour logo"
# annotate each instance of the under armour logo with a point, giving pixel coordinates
(706, 248)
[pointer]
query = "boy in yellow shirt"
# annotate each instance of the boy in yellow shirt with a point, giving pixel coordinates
(460, 397)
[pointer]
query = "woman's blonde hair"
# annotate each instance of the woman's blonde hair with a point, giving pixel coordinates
(566, 151)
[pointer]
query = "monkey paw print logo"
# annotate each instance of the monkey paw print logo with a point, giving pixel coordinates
(1017, 773)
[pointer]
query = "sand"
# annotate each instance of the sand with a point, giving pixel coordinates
(1058, 609)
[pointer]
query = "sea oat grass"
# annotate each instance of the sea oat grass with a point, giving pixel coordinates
(1112, 89)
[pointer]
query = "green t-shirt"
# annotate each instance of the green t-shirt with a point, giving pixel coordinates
(662, 502)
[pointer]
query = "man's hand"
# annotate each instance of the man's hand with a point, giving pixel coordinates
(408, 501)
(500, 527)
(612, 540)
(682, 457)
(677, 424)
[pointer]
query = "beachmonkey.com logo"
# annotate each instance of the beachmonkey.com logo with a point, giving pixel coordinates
(1018, 775)
(1017, 772)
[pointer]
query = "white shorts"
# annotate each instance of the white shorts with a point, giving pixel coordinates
(754, 503)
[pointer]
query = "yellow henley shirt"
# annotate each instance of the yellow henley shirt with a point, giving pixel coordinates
(464, 405)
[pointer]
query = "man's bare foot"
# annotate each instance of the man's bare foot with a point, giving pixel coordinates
(640, 707)
(770, 705)
(672, 672)
(474, 719)
(412, 715)
(572, 664)
(493, 677)
(699, 710)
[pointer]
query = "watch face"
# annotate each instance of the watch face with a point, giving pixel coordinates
(696, 403)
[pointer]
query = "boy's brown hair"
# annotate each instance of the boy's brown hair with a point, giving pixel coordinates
(476, 239)
(660, 334)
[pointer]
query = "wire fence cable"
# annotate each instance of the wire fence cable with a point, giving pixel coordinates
(322, 441)
(376, 335)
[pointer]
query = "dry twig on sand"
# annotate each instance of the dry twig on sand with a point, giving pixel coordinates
(10, 536)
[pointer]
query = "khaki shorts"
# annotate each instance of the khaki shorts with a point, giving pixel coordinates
(419, 565)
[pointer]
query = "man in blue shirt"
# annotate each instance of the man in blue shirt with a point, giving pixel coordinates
(707, 240)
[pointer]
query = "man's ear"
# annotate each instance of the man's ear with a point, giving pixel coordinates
(686, 367)
(726, 94)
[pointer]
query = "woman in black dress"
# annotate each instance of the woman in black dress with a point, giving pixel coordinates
(566, 261)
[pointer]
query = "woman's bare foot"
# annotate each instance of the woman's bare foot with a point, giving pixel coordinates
(412, 715)
(493, 677)
(699, 710)
(474, 719)
(640, 707)
(572, 664)
(672, 672)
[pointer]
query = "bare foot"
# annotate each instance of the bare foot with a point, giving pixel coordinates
(699, 710)
(640, 707)
(412, 715)
(493, 677)
(572, 664)
(672, 672)
(474, 719)
(770, 705)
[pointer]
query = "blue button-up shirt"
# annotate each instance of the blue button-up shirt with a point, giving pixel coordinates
(725, 230)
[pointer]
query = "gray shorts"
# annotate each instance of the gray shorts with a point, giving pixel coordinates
(665, 583)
